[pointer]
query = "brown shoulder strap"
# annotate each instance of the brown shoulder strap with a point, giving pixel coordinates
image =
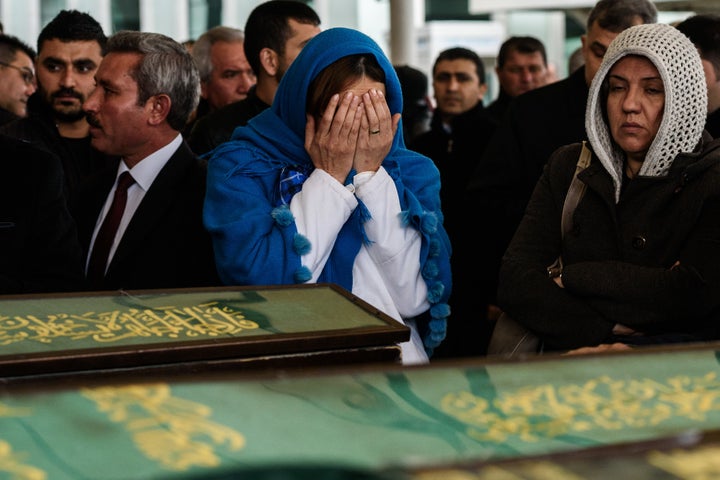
(575, 192)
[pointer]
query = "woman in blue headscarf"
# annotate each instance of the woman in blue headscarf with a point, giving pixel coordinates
(320, 188)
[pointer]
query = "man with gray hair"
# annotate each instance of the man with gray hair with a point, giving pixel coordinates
(141, 223)
(225, 73)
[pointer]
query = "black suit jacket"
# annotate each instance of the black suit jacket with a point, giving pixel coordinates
(39, 248)
(165, 244)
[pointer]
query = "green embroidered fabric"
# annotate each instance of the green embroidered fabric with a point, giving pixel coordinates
(375, 420)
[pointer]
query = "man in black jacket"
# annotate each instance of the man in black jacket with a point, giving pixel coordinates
(70, 49)
(521, 66)
(459, 130)
(275, 32)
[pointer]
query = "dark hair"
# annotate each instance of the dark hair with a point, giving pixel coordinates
(337, 76)
(413, 83)
(9, 46)
(73, 26)
(166, 67)
(526, 45)
(704, 32)
(617, 15)
(460, 53)
(416, 112)
(268, 27)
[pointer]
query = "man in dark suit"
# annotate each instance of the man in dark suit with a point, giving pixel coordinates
(39, 249)
(147, 86)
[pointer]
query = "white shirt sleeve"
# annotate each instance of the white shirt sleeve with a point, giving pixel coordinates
(391, 262)
(321, 209)
(394, 247)
(386, 272)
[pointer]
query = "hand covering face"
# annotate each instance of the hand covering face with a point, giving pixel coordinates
(255, 238)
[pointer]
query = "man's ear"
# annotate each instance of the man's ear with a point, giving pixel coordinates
(483, 90)
(158, 107)
(269, 61)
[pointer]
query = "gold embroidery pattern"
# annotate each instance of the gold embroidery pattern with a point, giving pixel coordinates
(533, 470)
(702, 463)
(169, 430)
(9, 412)
(11, 464)
(209, 319)
(604, 403)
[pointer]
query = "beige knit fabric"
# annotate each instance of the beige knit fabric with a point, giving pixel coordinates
(680, 68)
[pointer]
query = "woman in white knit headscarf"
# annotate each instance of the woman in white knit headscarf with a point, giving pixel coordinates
(641, 261)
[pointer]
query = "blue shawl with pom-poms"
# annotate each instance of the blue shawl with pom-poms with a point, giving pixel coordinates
(255, 239)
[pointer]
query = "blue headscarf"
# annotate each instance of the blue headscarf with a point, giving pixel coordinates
(288, 107)
(274, 141)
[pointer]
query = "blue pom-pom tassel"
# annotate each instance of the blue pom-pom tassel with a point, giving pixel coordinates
(435, 292)
(438, 329)
(430, 269)
(302, 275)
(282, 215)
(301, 244)
(440, 310)
(429, 223)
(434, 247)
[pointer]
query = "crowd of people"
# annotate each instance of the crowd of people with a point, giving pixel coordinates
(577, 212)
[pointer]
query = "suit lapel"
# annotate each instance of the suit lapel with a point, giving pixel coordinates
(149, 215)
(94, 194)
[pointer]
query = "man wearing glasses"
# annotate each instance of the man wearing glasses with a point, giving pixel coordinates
(17, 77)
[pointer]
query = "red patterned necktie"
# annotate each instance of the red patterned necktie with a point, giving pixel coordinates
(106, 234)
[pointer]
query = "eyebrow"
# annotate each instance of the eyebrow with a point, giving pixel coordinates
(104, 83)
(305, 42)
(598, 46)
(83, 62)
(76, 62)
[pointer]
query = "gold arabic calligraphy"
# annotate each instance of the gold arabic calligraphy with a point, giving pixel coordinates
(208, 319)
(172, 431)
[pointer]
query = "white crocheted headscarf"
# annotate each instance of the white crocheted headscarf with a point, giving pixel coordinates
(680, 68)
